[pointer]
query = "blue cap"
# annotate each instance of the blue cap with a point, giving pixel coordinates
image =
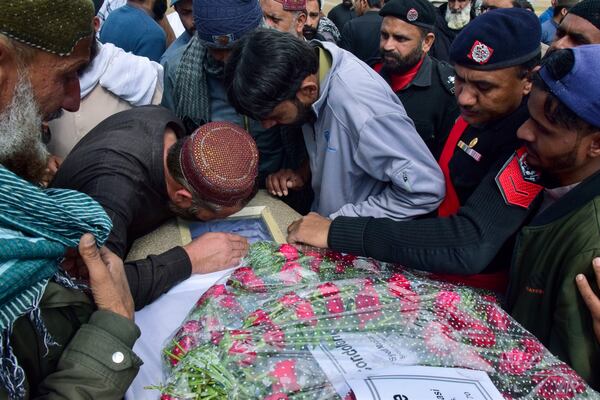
(579, 89)
(498, 39)
(173, 2)
(219, 23)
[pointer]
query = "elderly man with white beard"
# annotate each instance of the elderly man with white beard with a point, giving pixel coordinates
(57, 340)
(453, 16)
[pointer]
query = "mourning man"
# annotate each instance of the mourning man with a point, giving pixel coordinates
(490, 87)
(580, 26)
(56, 341)
(184, 9)
(194, 88)
(562, 140)
(319, 26)
(453, 17)
(285, 15)
(143, 169)
(424, 85)
(360, 35)
(365, 156)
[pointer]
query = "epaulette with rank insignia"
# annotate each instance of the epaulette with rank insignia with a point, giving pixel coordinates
(447, 76)
(518, 182)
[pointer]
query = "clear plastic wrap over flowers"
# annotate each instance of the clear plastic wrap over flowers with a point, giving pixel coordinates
(255, 336)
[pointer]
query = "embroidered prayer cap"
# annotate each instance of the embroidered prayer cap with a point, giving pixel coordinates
(54, 26)
(579, 89)
(219, 23)
(589, 10)
(293, 5)
(220, 161)
(416, 12)
(498, 39)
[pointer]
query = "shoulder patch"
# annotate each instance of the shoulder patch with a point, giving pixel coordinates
(517, 181)
(447, 75)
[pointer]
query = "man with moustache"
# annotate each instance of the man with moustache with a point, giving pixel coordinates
(424, 85)
(319, 26)
(580, 26)
(184, 9)
(285, 15)
(342, 13)
(562, 141)
(365, 156)
(57, 340)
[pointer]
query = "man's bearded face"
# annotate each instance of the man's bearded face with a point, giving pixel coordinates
(396, 63)
(457, 19)
(21, 148)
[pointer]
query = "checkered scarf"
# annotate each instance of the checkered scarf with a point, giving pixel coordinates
(36, 227)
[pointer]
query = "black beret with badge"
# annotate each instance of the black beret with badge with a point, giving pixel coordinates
(416, 12)
(498, 39)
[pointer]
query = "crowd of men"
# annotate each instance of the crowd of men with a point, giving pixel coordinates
(440, 138)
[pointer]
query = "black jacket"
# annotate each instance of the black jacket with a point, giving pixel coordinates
(341, 14)
(429, 101)
(479, 238)
(360, 36)
(119, 164)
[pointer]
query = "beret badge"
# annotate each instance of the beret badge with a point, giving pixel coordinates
(412, 15)
(480, 52)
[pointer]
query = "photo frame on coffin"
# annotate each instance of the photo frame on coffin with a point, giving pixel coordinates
(255, 223)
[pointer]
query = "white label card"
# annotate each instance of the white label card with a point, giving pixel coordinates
(423, 383)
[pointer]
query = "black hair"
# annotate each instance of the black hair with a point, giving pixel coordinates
(374, 3)
(265, 68)
(558, 9)
(558, 64)
(159, 9)
(525, 68)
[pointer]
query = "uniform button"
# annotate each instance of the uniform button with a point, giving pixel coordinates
(118, 357)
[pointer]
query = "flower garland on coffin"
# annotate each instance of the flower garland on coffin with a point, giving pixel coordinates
(250, 338)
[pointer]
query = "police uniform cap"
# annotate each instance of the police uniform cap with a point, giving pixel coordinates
(498, 39)
(416, 12)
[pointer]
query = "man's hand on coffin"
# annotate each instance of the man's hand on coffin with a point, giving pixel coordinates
(282, 180)
(215, 251)
(311, 230)
(107, 278)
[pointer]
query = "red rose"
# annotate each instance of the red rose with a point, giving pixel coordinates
(291, 273)
(259, 317)
(398, 285)
(558, 382)
(182, 346)
(285, 376)
(497, 318)
(367, 304)
(479, 334)
(289, 252)
(248, 279)
(514, 362)
(275, 337)
(212, 292)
